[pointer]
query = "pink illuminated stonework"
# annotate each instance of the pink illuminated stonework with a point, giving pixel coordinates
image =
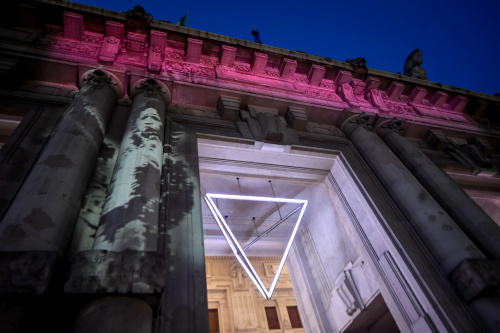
(115, 127)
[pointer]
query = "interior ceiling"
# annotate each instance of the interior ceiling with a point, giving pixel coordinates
(240, 213)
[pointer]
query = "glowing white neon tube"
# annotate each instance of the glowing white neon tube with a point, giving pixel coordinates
(235, 246)
(232, 242)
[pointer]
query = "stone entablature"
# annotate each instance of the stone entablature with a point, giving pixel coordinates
(211, 61)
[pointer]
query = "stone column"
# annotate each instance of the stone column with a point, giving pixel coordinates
(43, 214)
(114, 315)
(124, 258)
(130, 216)
(467, 214)
(448, 244)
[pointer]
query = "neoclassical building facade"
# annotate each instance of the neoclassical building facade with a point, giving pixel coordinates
(114, 127)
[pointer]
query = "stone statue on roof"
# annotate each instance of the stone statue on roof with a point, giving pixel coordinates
(412, 65)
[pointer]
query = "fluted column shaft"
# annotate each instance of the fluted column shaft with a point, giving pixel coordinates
(130, 216)
(446, 241)
(467, 214)
(449, 245)
(44, 212)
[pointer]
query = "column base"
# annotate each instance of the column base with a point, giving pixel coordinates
(26, 272)
(114, 314)
(101, 271)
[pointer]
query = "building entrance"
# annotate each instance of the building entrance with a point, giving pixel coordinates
(327, 277)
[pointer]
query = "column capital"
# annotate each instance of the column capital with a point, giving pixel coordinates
(98, 78)
(151, 88)
(355, 121)
(390, 125)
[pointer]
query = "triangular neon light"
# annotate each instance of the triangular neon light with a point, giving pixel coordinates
(236, 247)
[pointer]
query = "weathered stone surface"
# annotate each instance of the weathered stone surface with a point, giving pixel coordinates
(228, 107)
(26, 272)
(129, 218)
(100, 271)
(412, 65)
(446, 241)
(296, 118)
(473, 276)
(128, 315)
(478, 226)
(56, 185)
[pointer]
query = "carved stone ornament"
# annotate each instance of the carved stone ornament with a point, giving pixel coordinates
(412, 65)
(362, 119)
(266, 127)
(357, 63)
(98, 78)
(394, 124)
(470, 155)
(139, 13)
(152, 88)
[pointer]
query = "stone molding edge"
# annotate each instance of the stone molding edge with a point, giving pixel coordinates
(26, 272)
(318, 60)
(127, 272)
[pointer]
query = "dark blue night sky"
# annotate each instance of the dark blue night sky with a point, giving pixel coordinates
(460, 40)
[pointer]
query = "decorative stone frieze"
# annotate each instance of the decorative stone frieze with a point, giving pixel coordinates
(110, 49)
(112, 42)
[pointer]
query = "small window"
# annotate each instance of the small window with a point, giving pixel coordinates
(272, 318)
(293, 313)
(213, 320)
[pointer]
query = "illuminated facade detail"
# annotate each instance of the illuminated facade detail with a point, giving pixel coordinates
(401, 177)
(239, 252)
